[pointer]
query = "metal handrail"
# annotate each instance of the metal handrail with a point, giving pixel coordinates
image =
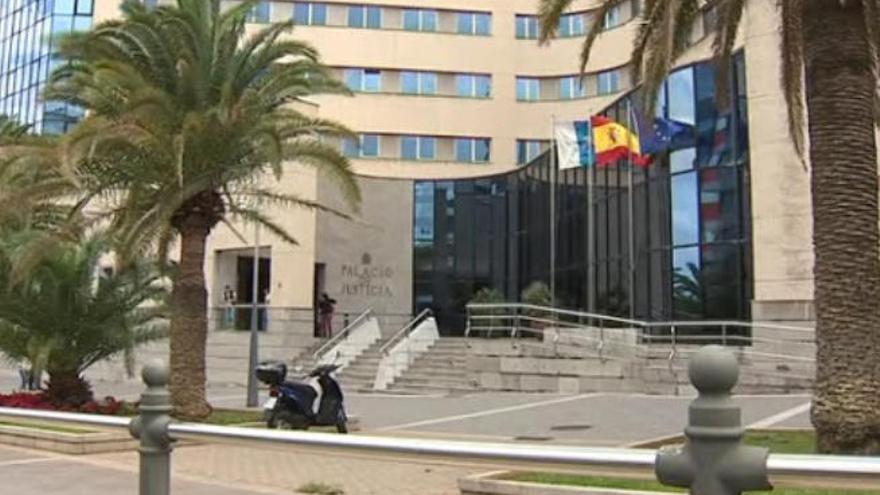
(344, 333)
(532, 455)
(404, 332)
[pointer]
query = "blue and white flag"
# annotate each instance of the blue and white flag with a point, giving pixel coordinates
(574, 144)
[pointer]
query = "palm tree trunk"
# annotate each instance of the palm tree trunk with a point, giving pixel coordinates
(67, 388)
(846, 238)
(189, 322)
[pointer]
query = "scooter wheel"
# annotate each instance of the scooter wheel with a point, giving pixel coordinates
(342, 422)
(286, 420)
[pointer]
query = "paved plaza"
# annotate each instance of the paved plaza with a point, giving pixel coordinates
(589, 419)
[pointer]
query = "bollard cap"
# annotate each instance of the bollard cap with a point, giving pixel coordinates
(155, 373)
(713, 369)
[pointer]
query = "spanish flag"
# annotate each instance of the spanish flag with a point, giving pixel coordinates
(613, 141)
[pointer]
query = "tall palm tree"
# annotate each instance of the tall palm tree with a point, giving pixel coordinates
(68, 314)
(187, 120)
(829, 63)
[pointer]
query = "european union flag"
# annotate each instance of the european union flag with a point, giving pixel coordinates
(661, 134)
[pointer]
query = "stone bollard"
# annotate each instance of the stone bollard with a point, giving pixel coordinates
(713, 460)
(151, 427)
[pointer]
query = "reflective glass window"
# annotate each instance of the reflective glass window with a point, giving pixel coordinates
(571, 25)
(370, 145)
(417, 147)
(613, 17)
(309, 14)
(685, 209)
(419, 20)
(423, 228)
(63, 7)
(527, 89)
(418, 83)
(570, 87)
(365, 16)
(526, 27)
(609, 82)
(260, 13)
(680, 94)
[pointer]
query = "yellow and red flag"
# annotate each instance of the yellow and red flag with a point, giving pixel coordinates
(613, 141)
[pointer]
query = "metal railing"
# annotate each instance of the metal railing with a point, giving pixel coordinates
(324, 348)
(712, 461)
(613, 337)
(405, 331)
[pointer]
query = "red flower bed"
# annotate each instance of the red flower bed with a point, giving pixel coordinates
(37, 400)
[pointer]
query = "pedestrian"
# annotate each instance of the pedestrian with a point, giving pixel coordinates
(326, 306)
(229, 307)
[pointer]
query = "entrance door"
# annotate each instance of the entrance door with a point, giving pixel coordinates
(319, 287)
(245, 289)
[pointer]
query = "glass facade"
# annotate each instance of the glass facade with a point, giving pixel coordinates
(29, 32)
(690, 230)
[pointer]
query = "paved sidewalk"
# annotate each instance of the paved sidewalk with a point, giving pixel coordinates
(286, 471)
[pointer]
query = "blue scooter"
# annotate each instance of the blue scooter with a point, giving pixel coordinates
(291, 405)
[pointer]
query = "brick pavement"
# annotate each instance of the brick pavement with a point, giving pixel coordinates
(285, 471)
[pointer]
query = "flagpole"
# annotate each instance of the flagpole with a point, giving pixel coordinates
(591, 271)
(553, 210)
(632, 256)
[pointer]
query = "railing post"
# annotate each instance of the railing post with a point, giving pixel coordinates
(724, 335)
(713, 460)
(151, 427)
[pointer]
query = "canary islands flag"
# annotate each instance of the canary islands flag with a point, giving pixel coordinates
(574, 144)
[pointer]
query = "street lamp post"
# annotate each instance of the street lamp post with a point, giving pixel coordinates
(252, 392)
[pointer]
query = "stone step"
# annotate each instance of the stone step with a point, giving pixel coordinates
(433, 375)
(406, 381)
(429, 388)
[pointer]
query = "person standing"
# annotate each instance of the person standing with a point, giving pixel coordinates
(228, 307)
(326, 306)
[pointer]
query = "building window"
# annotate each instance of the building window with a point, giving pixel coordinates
(526, 27)
(420, 20)
(310, 13)
(418, 83)
(474, 23)
(418, 148)
(571, 25)
(472, 150)
(609, 82)
(473, 85)
(260, 13)
(612, 18)
(365, 16)
(527, 89)
(570, 88)
(527, 150)
(365, 146)
(364, 80)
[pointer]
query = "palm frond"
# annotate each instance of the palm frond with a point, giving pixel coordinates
(729, 16)
(549, 13)
(793, 72)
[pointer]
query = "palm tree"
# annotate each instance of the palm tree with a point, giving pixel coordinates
(68, 314)
(829, 63)
(11, 128)
(187, 119)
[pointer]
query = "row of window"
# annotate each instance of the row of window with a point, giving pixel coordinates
(425, 148)
(477, 85)
(566, 87)
(570, 25)
(416, 82)
(429, 20)
(420, 148)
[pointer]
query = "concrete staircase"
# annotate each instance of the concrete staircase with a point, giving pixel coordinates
(360, 374)
(443, 368)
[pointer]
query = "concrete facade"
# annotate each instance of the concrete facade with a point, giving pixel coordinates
(368, 260)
